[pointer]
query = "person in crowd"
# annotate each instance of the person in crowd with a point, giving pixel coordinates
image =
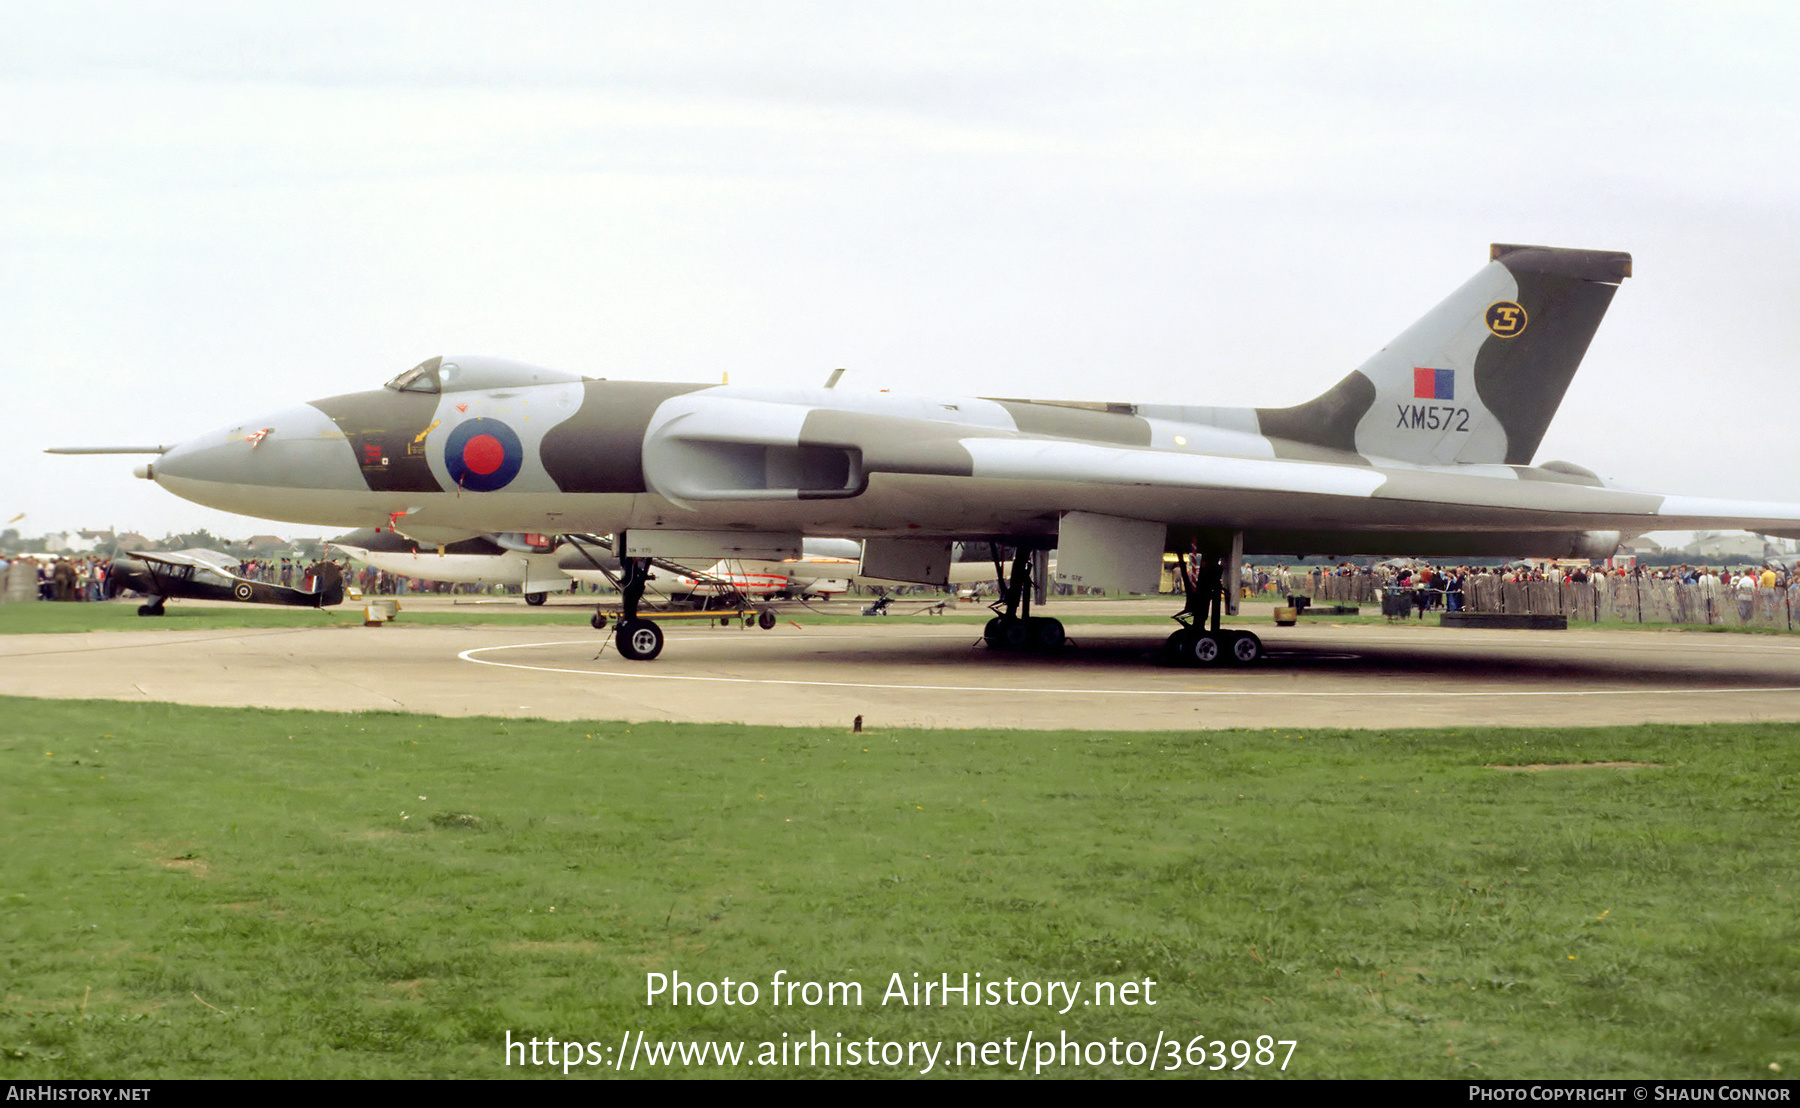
(1710, 588)
(62, 580)
(1746, 595)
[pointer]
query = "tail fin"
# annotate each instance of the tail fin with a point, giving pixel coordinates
(329, 589)
(1480, 376)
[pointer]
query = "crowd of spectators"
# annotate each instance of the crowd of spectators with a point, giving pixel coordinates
(55, 577)
(83, 577)
(1428, 587)
(371, 581)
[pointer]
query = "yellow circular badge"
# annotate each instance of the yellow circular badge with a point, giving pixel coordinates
(1506, 319)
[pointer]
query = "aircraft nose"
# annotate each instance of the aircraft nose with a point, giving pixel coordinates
(238, 468)
(295, 448)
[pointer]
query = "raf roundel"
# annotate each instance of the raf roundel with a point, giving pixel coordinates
(483, 455)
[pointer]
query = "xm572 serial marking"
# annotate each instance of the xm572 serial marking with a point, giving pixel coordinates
(1432, 417)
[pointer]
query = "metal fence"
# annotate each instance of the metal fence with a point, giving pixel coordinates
(1361, 588)
(19, 582)
(1617, 598)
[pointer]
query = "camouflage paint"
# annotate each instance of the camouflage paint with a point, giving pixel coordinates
(599, 449)
(1114, 423)
(386, 432)
(1351, 470)
(1323, 428)
(1522, 379)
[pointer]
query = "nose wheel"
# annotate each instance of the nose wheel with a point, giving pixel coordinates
(639, 640)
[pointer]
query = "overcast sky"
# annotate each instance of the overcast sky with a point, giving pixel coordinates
(212, 211)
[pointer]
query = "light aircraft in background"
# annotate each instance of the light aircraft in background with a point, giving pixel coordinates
(1426, 447)
(812, 574)
(210, 575)
(824, 568)
(528, 562)
(538, 565)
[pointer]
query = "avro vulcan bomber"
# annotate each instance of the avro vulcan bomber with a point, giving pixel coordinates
(1427, 447)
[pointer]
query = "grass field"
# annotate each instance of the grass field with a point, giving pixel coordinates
(201, 892)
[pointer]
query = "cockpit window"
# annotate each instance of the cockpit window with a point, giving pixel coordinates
(423, 377)
(473, 373)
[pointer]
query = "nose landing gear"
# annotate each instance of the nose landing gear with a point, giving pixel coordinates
(639, 640)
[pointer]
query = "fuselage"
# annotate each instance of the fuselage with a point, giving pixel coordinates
(478, 445)
(1424, 448)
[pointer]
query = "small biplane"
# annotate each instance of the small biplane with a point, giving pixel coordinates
(210, 575)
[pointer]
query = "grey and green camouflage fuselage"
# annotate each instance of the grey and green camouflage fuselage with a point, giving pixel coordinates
(1424, 448)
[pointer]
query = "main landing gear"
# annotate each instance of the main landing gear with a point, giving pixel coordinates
(1196, 643)
(638, 639)
(1013, 626)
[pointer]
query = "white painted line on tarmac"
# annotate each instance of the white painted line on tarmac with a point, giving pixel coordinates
(470, 656)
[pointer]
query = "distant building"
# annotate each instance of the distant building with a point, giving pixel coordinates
(75, 542)
(1728, 547)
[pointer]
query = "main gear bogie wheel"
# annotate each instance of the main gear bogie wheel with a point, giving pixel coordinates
(1175, 647)
(1246, 649)
(1204, 649)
